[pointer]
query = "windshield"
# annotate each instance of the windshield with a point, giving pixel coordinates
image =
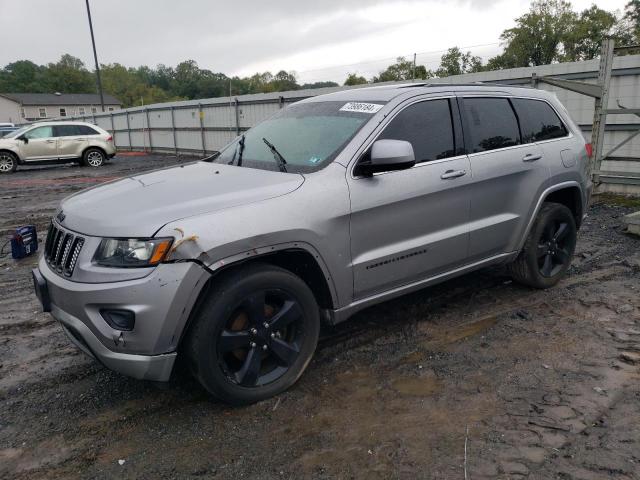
(18, 132)
(306, 136)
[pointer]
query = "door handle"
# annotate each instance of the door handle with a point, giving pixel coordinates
(531, 157)
(449, 174)
(51, 141)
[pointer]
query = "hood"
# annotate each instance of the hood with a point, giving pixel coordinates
(9, 142)
(138, 206)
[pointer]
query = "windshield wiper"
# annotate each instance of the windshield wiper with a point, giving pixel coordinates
(238, 151)
(276, 154)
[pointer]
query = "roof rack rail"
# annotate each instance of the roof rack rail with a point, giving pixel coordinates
(461, 84)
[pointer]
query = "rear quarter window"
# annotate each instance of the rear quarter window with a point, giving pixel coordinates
(492, 124)
(538, 121)
(86, 130)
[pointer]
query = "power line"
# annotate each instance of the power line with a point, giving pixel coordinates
(433, 52)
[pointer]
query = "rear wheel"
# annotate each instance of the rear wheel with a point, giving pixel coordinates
(8, 162)
(548, 250)
(254, 335)
(93, 157)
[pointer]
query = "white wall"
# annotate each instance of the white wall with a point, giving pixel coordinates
(9, 111)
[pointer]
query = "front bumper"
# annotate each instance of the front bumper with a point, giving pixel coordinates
(161, 302)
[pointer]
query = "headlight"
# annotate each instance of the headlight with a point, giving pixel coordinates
(132, 252)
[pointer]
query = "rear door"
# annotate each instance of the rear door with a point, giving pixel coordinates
(71, 141)
(41, 144)
(507, 175)
(410, 224)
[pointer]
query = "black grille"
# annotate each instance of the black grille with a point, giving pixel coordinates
(62, 249)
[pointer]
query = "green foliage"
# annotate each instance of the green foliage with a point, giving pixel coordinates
(454, 62)
(632, 17)
(552, 32)
(319, 85)
(354, 79)
(584, 40)
(538, 34)
(403, 69)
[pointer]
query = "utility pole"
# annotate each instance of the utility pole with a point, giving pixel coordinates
(414, 66)
(95, 56)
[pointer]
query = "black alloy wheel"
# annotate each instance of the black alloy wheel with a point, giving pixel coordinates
(548, 249)
(261, 339)
(553, 248)
(254, 333)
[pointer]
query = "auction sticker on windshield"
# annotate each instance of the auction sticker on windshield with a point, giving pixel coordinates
(361, 107)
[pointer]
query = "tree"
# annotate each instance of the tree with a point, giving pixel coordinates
(283, 81)
(402, 70)
(69, 75)
(538, 35)
(454, 62)
(22, 76)
(130, 87)
(632, 16)
(354, 79)
(552, 32)
(584, 40)
(319, 85)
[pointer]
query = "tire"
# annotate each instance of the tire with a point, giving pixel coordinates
(8, 162)
(254, 334)
(547, 252)
(93, 157)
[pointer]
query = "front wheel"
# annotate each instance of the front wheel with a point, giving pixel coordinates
(8, 162)
(548, 250)
(254, 335)
(93, 157)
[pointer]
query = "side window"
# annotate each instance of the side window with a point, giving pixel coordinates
(492, 124)
(538, 121)
(86, 130)
(427, 126)
(39, 132)
(67, 130)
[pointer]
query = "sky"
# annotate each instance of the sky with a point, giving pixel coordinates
(319, 40)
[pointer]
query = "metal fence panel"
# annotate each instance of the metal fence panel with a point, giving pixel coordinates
(208, 124)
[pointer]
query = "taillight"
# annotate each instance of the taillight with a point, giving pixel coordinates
(111, 139)
(589, 149)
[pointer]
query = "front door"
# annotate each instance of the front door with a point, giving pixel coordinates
(40, 145)
(412, 224)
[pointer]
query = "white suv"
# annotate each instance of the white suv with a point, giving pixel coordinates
(56, 141)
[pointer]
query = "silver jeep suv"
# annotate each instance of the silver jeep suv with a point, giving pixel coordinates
(82, 142)
(335, 203)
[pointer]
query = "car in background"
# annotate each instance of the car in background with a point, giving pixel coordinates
(81, 142)
(6, 128)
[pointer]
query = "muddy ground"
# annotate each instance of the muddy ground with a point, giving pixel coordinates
(477, 374)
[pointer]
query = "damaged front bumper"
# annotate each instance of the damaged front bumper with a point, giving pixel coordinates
(159, 302)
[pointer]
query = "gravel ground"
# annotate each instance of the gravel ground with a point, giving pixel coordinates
(475, 378)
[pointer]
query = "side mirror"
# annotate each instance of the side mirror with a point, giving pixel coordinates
(388, 155)
(24, 139)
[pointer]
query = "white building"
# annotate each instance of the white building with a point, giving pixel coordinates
(26, 107)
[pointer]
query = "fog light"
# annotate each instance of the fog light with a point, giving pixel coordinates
(119, 319)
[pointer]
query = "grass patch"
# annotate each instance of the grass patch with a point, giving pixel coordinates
(618, 200)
